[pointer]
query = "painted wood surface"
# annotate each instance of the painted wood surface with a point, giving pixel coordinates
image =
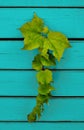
(23, 83)
(42, 3)
(11, 56)
(18, 86)
(68, 21)
(16, 109)
(36, 126)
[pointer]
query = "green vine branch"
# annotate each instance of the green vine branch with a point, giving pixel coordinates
(51, 46)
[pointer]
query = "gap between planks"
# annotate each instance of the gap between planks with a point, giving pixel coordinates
(52, 97)
(21, 39)
(14, 69)
(64, 121)
(60, 7)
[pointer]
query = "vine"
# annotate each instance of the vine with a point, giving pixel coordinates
(51, 46)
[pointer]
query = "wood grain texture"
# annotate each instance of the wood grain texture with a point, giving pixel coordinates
(68, 21)
(42, 3)
(24, 83)
(36, 126)
(11, 56)
(16, 109)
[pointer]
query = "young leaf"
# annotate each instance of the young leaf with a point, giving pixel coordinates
(44, 76)
(32, 41)
(58, 43)
(50, 61)
(36, 64)
(31, 117)
(40, 61)
(44, 89)
(44, 48)
(42, 99)
(31, 32)
(34, 26)
(55, 41)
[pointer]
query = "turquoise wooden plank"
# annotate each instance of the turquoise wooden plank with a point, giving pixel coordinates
(36, 126)
(68, 21)
(24, 83)
(42, 3)
(16, 109)
(11, 56)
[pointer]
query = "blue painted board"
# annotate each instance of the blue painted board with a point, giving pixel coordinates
(42, 126)
(16, 109)
(24, 83)
(11, 56)
(68, 21)
(42, 3)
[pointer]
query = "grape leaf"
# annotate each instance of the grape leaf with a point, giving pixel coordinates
(35, 25)
(37, 110)
(32, 41)
(44, 76)
(42, 98)
(40, 61)
(31, 32)
(31, 117)
(45, 89)
(44, 48)
(36, 64)
(50, 61)
(58, 43)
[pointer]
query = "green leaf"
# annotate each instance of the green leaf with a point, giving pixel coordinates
(32, 33)
(31, 117)
(45, 89)
(37, 110)
(42, 98)
(50, 61)
(44, 48)
(40, 61)
(32, 41)
(58, 43)
(44, 76)
(36, 64)
(35, 25)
